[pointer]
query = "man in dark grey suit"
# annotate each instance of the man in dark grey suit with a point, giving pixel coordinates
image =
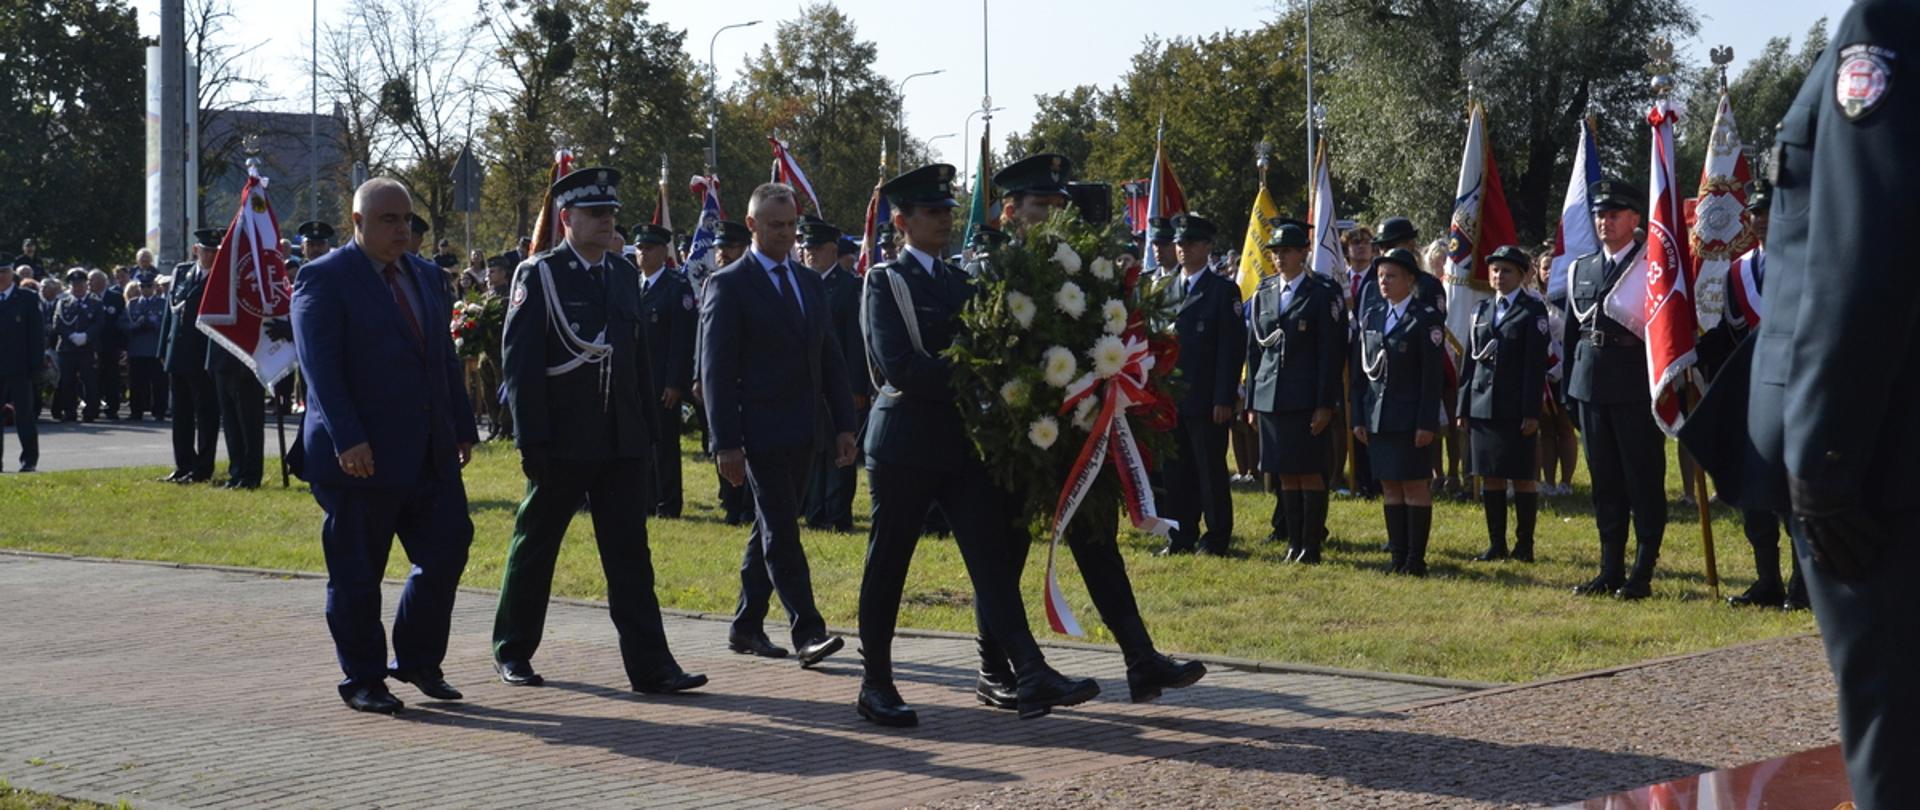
(767, 362)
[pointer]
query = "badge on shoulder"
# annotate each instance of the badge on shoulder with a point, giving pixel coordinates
(1863, 79)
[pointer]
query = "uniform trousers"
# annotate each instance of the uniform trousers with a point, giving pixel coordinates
(243, 422)
(18, 392)
(1627, 462)
(196, 423)
(1093, 539)
(830, 491)
(430, 518)
(667, 493)
(74, 395)
(108, 383)
(147, 387)
(612, 485)
(775, 562)
(1197, 485)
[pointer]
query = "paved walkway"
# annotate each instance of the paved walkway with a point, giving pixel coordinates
(175, 687)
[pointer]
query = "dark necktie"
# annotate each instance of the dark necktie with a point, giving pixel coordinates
(788, 292)
(406, 309)
(1393, 318)
(1500, 311)
(599, 273)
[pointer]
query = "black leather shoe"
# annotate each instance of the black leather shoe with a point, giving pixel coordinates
(1147, 678)
(28, 468)
(1598, 586)
(755, 645)
(1309, 555)
(1492, 554)
(432, 684)
(1634, 591)
(518, 673)
(813, 652)
(1172, 549)
(881, 705)
(1276, 536)
(1759, 595)
(675, 681)
(1523, 553)
(372, 698)
(1793, 602)
(992, 692)
(1045, 689)
(172, 478)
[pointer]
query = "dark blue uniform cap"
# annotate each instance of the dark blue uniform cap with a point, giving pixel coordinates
(848, 245)
(990, 237)
(1614, 194)
(1395, 229)
(1159, 229)
(1402, 257)
(592, 187)
(1191, 228)
(1759, 197)
(1045, 173)
(817, 231)
(647, 233)
(1511, 253)
(729, 233)
(315, 229)
(208, 237)
(1289, 234)
(929, 185)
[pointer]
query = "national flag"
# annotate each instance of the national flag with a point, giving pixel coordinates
(249, 286)
(547, 231)
(879, 211)
(1329, 257)
(1481, 223)
(1744, 301)
(1135, 211)
(1720, 231)
(1575, 237)
(787, 170)
(662, 215)
(1253, 251)
(1667, 286)
(1165, 198)
(707, 189)
(977, 213)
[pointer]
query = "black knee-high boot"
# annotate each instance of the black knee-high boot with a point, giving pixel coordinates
(1494, 503)
(1296, 519)
(1419, 526)
(1314, 503)
(1281, 530)
(1526, 506)
(1396, 537)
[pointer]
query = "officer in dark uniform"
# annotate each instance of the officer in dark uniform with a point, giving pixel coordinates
(1296, 349)
(1396, 397)
(1504, 377)
(1399, 233)
(1160, 240)
(109, 384)
(1213, 345)
(671, 314)
(575, 363)
(23, 344)
(77, 327)
(889, 239)
(196, 408)
(1035, 187)
(729, 244)
(830, 489)
(1626, 452)
(918, 454)
(419, 228)
(1836, 370)
(850, 262)
(243, 415)
(316, 238)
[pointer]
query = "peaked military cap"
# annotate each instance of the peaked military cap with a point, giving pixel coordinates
(592, 187)
(1759, 196)
(647, 233)
(728, 232)
(208, 237)
(1159, 229)
(1402, 257)
(1395, 229)
(1614, 194)
(315, 229)
(1511, 253)
(76, 275)
(1288, 233)
(817, 231)
(502, 261)
(1191, 228)
(928, 185)
(419, 225)
(990, 237)
(848, 245)
(1045, 173)
(887, 231)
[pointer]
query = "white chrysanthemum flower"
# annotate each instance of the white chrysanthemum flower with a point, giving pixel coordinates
(1102, 269)
(1071, 300)
(1115, 314)
(1021, 307)
(1084, 412)
(1108, 355)
(1064, 256)
(474, 308)
(1043, 432)
(1058, 366)
(1014, 393)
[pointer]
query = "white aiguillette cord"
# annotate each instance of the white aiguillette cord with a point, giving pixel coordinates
(593, 352)
(902, 298)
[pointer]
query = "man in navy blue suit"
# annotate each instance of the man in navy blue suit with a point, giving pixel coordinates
(768, 363)
(23, 352)
(387, 429)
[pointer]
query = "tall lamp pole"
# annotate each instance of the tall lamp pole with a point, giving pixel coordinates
(900, 117)
(713, 102)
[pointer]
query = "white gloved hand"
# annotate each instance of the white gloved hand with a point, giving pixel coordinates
(78, 338)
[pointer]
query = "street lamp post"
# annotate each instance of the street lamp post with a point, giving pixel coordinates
(900, 117)
(967, 145)
(713, 101)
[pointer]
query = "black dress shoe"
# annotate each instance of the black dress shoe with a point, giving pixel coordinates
(1172, 549)
(1276, 537)
(1759, 595)
(813, 652)
(518, 673)
(994, 692)
(1598, 586)
(1045, 689)
(1147, 678)
(28, 468)
(881, 705)
(172, 478)
(1522, 553)
(433, 684)
(191, 478)
(1309, 556)
(371, 698)
(1634, 591)
(1492, 554)
(675, 681)
(758, 645)
(1792, 602)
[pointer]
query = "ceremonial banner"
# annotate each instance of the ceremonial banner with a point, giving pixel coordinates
(1481, 223)
(1670, 324)
(1720, 230)
(879, 211)
(1329, 257)
(977, 213)
(662, 216)
(248, 286)
(1253, 251)
(547, 230)
(1165, 198)
(707, 189)
(1575, 237)
(787, 170)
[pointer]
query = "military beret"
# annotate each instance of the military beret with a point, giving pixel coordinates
(817, 231)
(728, 232)
(1192, 228)
(848, 245)
(647, 233)
(1159, 229)
(1613, 194)
(1288, 234)
(1759, 196)
(1393, 230)
(315, 229)
(419, 225)
(990, 237)
(502, 261)
(1044, 173)
(929, 185)
(592, 187)
(208, 237)
(1402, 257)
(1511, 253)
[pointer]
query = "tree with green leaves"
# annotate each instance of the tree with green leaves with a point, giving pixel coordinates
(631, 98)
(534, 50)
(1761, 94)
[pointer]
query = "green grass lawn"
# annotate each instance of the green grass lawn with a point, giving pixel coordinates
(1491, 622)
(12, 798)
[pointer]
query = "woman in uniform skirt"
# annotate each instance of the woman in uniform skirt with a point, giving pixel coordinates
(1505, 373)
(1397, 398)
(1294, 351)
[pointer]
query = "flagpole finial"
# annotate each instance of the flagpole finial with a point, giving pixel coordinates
(1660, 66)
(1262, 156)
(663, 170)
(1722, 56)
(1474, 69)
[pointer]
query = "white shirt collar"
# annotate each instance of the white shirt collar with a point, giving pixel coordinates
(1616, 257)
(767, 263)
(1399, 310)
(925, 259)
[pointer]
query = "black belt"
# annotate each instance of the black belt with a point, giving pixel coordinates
(1598, 338)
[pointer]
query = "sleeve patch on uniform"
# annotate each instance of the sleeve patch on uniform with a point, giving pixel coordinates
(1863, 80)
(1239, 309)
(519, 295)
(1541, 323)
(686, 302)
(1435, 335)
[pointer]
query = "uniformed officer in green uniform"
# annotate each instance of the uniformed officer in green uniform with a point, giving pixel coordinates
(830, 489)
(1396, 402)
(575, 364)
(1296, 349)
(1503, 379)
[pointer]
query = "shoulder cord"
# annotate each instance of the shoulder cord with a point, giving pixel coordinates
(1374, 366)
(903, 299)
(1585, 316)
(1279, 330)
(1479, 353)
(582, 352)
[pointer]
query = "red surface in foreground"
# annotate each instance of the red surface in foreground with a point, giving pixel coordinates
(1809, 780)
